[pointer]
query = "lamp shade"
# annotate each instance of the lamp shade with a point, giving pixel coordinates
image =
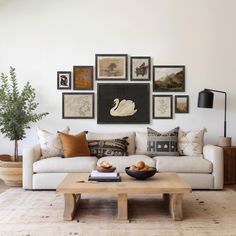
(205, 99)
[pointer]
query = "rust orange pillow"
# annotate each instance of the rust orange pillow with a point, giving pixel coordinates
(74, 145)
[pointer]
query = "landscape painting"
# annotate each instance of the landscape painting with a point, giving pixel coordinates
(121, 103)
(83, 77)
(182, 104)
(78, 105)
(111, 66)
(140, 68)
(168, 78)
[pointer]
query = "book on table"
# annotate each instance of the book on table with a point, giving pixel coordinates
(104, 177)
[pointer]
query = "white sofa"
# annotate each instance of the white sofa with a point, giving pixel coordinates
(203, 172)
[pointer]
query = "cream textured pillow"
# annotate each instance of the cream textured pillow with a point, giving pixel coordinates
(190, 143)
(50, 144)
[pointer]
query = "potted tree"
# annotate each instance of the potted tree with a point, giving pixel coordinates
(17, 111)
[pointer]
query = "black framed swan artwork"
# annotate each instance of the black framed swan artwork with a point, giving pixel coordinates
(123, 103)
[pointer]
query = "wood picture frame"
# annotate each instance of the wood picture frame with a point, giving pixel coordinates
(121, 103)
(111, 66)
(77, 105)
(83, 77)
(181, 103)
(63, 80)
(140, 68)
(162, 107)
(169, 78)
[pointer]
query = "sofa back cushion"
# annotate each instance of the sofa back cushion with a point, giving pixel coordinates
(162, 143)
(74, 145)
(120, 135)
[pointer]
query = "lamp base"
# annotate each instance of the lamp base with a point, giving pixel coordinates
(224, 141)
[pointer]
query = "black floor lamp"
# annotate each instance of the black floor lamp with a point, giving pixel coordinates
(205, 100)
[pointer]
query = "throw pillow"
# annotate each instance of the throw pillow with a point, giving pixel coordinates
(190, 143)
(162, 143)
(50, 144)
(113, 147)
(74, 145)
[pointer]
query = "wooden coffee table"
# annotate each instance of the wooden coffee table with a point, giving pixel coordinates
(169, 184)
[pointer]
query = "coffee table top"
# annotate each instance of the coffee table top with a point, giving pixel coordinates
(160, 183)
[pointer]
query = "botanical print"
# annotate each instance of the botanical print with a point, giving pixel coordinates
(110, 67)
(78, 105)
(83, 77)
(162, 106)
(63, 80)
(181, 104)
(168, 78)
(140, 68)
(123, 108)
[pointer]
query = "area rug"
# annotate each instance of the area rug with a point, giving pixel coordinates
(33, 213)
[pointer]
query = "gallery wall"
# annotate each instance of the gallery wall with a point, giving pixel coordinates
(39, 38)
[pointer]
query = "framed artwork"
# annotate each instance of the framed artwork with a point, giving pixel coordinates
(63, 80)
(111, 66)
(83, 77)
(121, 103)
(140, 68)
(77, 105)
(182, 104)
(168, 78)
(162, 107)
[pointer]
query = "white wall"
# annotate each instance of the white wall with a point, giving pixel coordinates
(39, 38)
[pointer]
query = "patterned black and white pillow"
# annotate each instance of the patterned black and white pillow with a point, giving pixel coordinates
(113, 147)
(162, 143)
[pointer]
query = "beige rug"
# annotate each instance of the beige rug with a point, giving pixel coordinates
(29, 213)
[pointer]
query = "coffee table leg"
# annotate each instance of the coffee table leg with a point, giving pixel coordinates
(71, 204)
(122, 207)
(175, 206)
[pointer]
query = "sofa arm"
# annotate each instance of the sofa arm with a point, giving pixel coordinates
(30, 155)
(215, 155)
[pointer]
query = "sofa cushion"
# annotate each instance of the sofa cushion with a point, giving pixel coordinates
(112, 147)
(104, 136)
(183, 164)
(62, 165)
(141, 142)
(120, 162)
(190, 143)
(74, 145)
(162, 143)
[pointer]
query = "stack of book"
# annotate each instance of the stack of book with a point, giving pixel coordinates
(104, 177)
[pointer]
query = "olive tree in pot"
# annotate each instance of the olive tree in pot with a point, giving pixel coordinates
(17, 111)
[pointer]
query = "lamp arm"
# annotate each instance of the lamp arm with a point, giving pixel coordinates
(219, 91)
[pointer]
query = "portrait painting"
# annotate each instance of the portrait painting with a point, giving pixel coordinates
(63, 80)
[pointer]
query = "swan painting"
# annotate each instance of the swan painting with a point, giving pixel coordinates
(123, 108)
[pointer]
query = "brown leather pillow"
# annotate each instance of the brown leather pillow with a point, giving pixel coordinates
(74, 145)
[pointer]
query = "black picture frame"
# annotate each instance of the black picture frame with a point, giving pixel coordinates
(168, 78)
(63, 80)
(83, 77)
(182, 108)
(71, 106)
(106, 67)
(165, 109)
(141, 69)
(132, 106)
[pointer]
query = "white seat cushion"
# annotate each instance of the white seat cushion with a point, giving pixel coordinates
(62, 165)
(183, 164)
(120, 162)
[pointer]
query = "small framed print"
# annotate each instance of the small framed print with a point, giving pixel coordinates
(162, 107)
(63, 80)
(181, 104)
(83, 77)
(168, 78)
(140, 68)
(111, 66)
(78, 105)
